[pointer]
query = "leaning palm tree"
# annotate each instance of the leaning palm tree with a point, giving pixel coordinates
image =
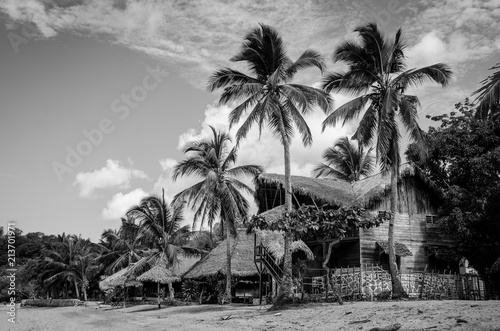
(377, 72)
(345, 161)
(488, 95)
(219, 193)
(270, 97)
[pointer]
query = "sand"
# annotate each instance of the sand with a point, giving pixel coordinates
(412, 315)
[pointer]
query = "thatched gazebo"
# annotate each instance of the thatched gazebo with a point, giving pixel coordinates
(160, 274)
(123, 278)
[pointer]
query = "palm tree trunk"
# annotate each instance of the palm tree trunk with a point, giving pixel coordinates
(397, 287)
(84, 293)
(228, 265)
(159, 298)
(171, 291)
(77, 291)
(285, 290)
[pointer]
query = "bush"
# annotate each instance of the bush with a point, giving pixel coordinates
(190, 290)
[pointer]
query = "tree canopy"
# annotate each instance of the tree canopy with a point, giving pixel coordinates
(464, 162)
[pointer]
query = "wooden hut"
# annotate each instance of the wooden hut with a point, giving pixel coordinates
(417, 235)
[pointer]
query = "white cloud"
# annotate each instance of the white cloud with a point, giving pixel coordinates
(433, 48)
(267, 151)
(167, 164)
(113, 174)
(120, 203)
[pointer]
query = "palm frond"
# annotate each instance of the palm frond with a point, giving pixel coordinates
(488, 95)
(346, 112)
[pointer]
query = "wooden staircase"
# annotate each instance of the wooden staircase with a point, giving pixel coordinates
(264, 259)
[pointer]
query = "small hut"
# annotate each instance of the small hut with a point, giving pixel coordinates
(242, 259)
(160, 274)
(163, 274)
(242, 265)
(122, 278)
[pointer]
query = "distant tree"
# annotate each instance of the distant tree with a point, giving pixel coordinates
(345, 161)
(70, 263)
(464, 162)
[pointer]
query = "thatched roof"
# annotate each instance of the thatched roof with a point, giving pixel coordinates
(119, 278)
(401, 249)
(338, 192)
(242, 259)
(159, 274)
(331, 191)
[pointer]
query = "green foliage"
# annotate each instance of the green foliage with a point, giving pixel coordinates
(190, 290)
(464, 162)
(310, 221)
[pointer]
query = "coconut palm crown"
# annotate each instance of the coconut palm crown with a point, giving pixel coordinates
(268, 92)
(219, 192)
(377, 74)
(345, 161)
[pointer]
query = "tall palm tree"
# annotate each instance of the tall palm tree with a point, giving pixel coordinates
(270, 97)
(488, 95)
(377, 74)
(218, 194)
(345, 161)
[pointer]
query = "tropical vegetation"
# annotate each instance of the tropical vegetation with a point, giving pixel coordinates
(464, 162)
(461, 156)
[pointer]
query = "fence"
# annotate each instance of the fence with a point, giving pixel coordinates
(370, 282)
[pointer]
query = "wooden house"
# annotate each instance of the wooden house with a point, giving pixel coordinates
(420, 243)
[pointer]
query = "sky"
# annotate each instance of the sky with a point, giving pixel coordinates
(98, 97)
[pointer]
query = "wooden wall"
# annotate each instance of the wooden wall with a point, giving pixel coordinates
(410, 230)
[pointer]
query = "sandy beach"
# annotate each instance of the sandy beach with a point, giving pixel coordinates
(412, 315)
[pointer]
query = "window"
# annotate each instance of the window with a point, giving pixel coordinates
(430, 219)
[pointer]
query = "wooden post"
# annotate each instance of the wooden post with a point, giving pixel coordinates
(327, 283)
(478, 288)
(423, 282)
(159, 299)
(360, 281)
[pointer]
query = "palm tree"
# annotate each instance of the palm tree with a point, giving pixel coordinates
(218, 194)
(271, 98)
(377, 72)
(345, 161)
(489, 94)
(161, 233)
(121, 248)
